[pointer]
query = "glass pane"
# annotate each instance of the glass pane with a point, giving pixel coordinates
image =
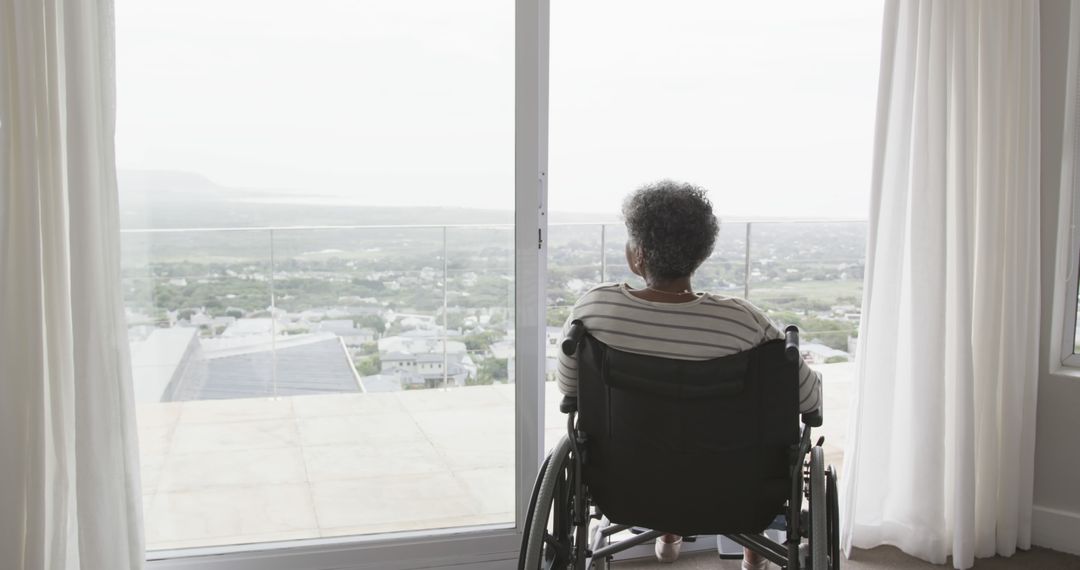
(725, 271)
(767, 105)
(318, 258)
(811, 275)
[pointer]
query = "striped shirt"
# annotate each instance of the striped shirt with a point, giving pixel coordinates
(708, 327)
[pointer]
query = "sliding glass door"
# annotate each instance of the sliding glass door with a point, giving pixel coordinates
(769, 106)
(333, 218)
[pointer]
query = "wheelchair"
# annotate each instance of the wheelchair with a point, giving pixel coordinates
(652, 443)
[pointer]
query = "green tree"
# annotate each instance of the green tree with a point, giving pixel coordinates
(369, 365)
(831, 333)
(374, 322)
(480, 341)
(556, 316)
(491, 370)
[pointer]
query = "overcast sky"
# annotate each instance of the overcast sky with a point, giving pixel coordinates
(769, 104)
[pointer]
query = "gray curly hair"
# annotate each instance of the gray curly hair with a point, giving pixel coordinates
(674, 226)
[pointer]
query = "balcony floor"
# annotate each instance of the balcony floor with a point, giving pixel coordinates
(224, 472)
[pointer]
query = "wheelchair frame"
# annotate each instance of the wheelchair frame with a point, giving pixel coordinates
(565, 538)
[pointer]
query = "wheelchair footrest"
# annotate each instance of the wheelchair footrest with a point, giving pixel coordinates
(642, 530)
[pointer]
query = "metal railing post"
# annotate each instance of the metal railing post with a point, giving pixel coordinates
(445, 327)
(746, 266)
(273, 321)
(603, 253)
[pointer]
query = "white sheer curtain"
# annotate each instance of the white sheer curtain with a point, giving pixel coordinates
(941, 441)
(69, 479)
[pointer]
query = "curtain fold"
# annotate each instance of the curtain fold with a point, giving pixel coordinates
(70, 494)
(940, 453)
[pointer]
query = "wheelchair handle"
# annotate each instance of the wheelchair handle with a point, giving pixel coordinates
(791, 343)
(573, 337)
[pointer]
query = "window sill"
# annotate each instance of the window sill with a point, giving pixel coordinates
(1058, 368)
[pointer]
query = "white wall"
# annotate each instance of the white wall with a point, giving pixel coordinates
(1056, 519)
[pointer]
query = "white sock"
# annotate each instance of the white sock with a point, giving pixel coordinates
(762, 564)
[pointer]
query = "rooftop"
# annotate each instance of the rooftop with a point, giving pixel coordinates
(318, 364)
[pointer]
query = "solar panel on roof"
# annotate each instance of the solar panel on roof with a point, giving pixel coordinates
(315, 368)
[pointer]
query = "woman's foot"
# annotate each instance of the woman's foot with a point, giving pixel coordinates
(761, 564)
(754, 561)
(668, 547)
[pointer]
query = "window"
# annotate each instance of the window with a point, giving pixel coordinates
(768, 105)
(1065, 344)
(319, 267)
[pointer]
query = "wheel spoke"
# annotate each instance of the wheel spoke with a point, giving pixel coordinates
(550, 540)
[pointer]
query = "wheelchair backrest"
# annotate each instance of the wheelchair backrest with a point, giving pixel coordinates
(689, 447)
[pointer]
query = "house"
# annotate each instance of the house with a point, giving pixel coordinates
(347, 330)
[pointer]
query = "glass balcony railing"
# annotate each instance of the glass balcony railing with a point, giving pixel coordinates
(274, 287)
(350, 377)
(808, 273)
(263, 291)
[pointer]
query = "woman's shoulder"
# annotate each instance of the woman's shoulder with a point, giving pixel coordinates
(615, 296)
(718, 299)
(734, 302)
(739, 304)
(603, 287)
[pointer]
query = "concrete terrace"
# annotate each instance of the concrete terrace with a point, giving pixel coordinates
(239, 471)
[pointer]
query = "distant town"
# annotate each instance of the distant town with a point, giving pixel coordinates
(248, 311)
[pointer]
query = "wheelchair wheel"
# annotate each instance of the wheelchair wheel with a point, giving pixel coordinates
(532, 508)
(819, 527)
(551, 539)
(832, 498)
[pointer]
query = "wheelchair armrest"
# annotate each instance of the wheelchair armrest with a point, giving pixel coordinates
(568, 404)
(813, 419)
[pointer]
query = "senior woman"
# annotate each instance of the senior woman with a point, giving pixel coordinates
(672, 230)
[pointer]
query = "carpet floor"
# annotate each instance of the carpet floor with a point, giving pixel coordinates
(885, 557)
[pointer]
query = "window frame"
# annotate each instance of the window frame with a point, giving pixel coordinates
(1069, 296)
(1067, 266)
(469, 547)
(1063, 358)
